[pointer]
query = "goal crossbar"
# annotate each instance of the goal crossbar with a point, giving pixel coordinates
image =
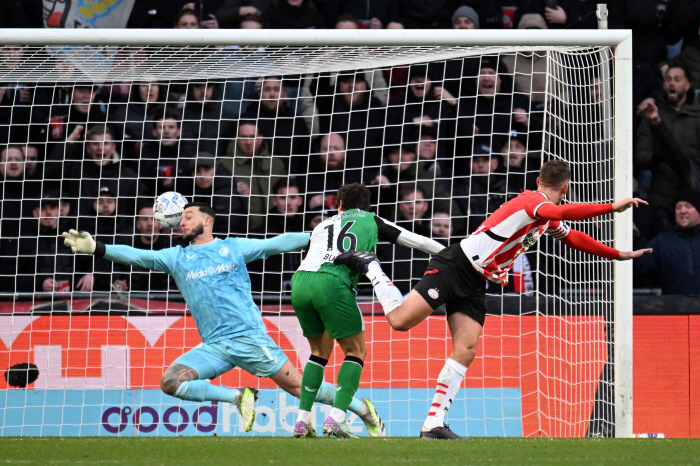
(313, 37)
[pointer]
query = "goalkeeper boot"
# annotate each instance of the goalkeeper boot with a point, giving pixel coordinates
(303, 429)
(355, 261)
(440, 433)
(374, 424)
(246, 407)
(337, 429)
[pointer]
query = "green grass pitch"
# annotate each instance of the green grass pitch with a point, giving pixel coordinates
(332, 452)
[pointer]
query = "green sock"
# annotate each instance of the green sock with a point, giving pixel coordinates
(348, 382)
(311, 380)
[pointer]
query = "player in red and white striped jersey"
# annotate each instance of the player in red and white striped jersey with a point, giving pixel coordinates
(457, 275)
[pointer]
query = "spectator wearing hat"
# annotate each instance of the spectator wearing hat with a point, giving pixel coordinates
(479, 187)
(108, 228)
(522, 169)
(215, 186)
(668, 140)
(496, 108)
(457, 76)
(674, 264)
(465, 17)
(164, 157)
(102, 218)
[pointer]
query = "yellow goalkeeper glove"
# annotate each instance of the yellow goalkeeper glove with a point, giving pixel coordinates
(79, 241)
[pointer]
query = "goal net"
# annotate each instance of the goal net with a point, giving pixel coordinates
(266, 128)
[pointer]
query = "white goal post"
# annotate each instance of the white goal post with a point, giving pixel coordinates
(191, 55)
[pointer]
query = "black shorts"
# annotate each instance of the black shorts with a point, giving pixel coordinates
(450, 279)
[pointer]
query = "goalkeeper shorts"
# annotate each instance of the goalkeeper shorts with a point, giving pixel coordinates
(450, 279)
(256, 354)
(323, 302)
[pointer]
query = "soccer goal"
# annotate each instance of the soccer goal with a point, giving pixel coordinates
(442, 126)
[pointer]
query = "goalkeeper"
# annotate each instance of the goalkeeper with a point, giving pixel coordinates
(323, 296)
(212, 276)
(457, 275)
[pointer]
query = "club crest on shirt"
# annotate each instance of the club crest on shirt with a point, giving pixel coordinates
(434, 293)
(223, 251)
(529, 240)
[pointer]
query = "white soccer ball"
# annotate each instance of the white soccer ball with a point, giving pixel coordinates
(168, 208)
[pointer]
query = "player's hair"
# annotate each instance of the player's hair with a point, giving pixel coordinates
(203, 208)
(354, 196)
(99, 130)
(555, 173)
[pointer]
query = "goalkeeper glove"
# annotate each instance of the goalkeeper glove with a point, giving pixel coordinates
(79, 241)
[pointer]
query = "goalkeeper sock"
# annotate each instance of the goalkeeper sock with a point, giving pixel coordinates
(448, 383)
(348, 383)
(388, 295)
(200, 390)
(311, 381)
(326, 395)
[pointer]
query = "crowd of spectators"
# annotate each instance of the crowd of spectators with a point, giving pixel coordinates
(441, 145)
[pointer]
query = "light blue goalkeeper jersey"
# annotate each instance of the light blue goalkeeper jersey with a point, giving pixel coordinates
(214, 280)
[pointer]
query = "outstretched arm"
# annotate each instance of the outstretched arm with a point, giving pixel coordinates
(286, 242)
(582, 242)
(395, 234)
(82, 242)
(573, 211)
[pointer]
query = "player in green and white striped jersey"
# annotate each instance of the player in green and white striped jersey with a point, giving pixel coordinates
(323, 296)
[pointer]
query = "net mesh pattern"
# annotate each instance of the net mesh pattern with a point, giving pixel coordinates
(442, 136)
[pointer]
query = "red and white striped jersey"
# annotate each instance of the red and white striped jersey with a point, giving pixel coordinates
(507, 233)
